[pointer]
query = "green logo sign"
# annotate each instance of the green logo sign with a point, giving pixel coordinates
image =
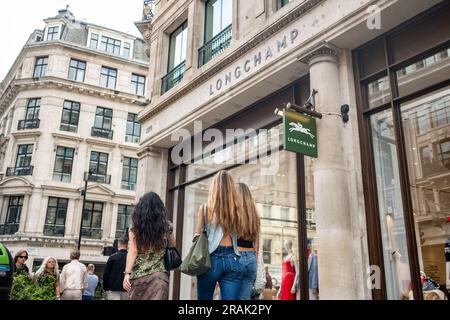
(300, 133)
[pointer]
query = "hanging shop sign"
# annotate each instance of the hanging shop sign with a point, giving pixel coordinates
(300, 133)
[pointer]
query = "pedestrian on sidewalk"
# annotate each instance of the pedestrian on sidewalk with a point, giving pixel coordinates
(73, 278)
(223, 216)
(92, 280)
(146, 277)
(47, 279)
(113, 275)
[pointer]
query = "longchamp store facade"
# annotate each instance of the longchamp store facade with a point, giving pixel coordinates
(373, 206)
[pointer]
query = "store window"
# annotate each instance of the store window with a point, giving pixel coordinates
(279, 228)
(409, 157)
(430, 181)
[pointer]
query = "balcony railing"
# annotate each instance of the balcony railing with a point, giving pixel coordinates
(99, 178)
(215, 46)
(19, 171)
(52, 230)
(28, 124)
(102, 133)
(68, 127)
(92, 233)
(133, 139)
(128, 185)
(174, 77)
(9, 229)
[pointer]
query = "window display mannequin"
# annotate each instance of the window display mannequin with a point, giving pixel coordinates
(289, 274)
(313, 274)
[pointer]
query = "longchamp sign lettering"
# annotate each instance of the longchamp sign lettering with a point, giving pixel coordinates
(254, 61)
(300, 133)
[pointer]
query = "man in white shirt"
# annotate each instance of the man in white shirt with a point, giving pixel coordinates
(73, 278)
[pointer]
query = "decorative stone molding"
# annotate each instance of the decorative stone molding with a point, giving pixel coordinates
(150, 151)
(64, 84)
(324, 50)
(208, 74)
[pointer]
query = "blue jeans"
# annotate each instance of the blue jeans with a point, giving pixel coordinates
(226, 270)
(86, 297)
(249, 269)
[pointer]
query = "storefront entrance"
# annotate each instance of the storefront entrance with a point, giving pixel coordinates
(284, 197)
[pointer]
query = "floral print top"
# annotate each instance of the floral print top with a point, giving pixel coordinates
(150, 262)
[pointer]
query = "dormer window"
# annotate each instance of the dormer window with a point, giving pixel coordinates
(52, 33)
(94, 41)
(126, 49)
(110, 45)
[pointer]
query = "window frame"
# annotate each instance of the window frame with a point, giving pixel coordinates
(34, 105)
(93, 40)
(40, 67)
(97, 163)
(125, 215)
(65, 158)
(138, 84)
(100, 113)
(77, 69)
(106, 74)
(25, 155)
(54, 225)
(18, 206)
(70, 123)
(183, 27)
(127, 168)
(54, 35)
(110, 45)
(90, 213)
(135, 124)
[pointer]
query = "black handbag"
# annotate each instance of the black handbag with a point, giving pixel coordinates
(172, 258)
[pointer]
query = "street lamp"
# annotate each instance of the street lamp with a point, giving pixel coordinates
(83, 193)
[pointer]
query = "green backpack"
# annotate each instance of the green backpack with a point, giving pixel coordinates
(198, 261)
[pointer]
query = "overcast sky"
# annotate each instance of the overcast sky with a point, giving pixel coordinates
(19, 18)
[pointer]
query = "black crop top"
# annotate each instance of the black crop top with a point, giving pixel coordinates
(244, 243)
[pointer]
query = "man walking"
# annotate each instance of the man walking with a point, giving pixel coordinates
(73, 278)
(114, 272)
(92, 280)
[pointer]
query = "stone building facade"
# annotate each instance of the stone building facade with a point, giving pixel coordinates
(228, 64)
(68, 107)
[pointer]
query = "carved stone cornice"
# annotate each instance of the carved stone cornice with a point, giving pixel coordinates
(211, 72)
(324, 50)
(149, 151)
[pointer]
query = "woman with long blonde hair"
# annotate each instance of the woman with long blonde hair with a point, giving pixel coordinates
(47, 277)
(248, 242)
(223, 218)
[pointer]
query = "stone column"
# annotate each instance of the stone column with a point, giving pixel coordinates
(24, 214)
(112, 231)
(332, 205)
(152, 172)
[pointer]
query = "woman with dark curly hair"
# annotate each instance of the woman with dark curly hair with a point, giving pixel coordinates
(145, 275)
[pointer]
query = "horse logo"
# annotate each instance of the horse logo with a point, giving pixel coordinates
(298, 127)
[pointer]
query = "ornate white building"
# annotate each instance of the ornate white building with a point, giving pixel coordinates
(68, 106)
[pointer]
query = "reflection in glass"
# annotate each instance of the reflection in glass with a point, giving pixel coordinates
(277, 225)
(428, 154)
(312, 253)
(378, 92)
(424, 73)
(395, 253)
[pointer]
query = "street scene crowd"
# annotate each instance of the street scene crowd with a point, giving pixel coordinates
(137, 271)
